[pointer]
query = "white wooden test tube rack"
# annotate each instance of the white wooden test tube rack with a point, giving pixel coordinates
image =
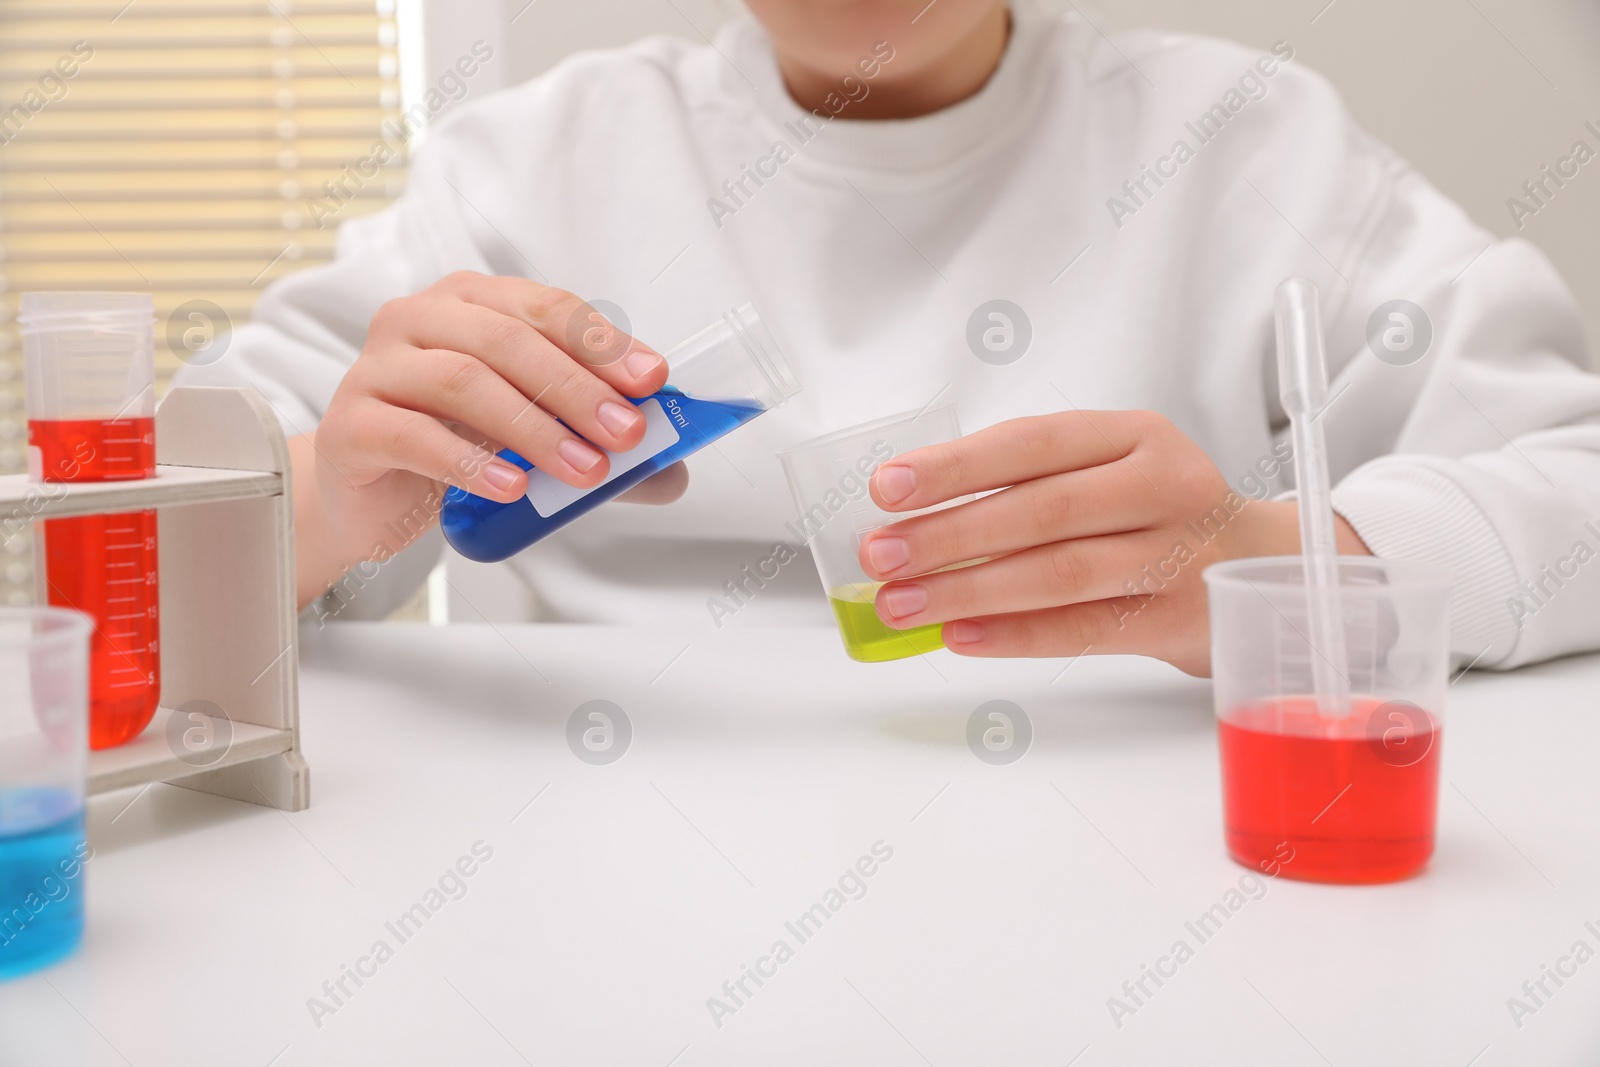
(228, 629)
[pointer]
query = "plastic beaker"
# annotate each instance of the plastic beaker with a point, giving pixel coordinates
(829, 478)
(1349, 798)
(719, 379)
(91, 418)
(43, 720)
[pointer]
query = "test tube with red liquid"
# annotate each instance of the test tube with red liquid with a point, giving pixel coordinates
(91, 418)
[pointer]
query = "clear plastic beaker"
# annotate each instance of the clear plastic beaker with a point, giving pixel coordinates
(718, 380)
(91, 418)
(43, 722)
(1346, 798)
(829, 478)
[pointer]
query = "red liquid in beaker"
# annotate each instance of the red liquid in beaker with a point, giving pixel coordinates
(1354, 798)
(105, 566)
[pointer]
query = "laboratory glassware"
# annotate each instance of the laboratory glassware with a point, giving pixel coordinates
(1330, 798)
(1329, 672)
(828, 477)
(719, 379)
(89, 362)
(43, 750)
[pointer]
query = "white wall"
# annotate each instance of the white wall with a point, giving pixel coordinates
(1477, 94)
(548, 30)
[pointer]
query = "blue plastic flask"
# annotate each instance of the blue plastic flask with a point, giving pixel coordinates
(719, 379)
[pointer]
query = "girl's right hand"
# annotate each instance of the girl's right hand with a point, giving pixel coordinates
(448, 376)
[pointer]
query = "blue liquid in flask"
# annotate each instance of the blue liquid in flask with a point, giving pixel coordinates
(488, 531)
(41, 877)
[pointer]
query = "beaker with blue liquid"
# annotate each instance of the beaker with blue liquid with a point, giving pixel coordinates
(44, 747)
(718, 380)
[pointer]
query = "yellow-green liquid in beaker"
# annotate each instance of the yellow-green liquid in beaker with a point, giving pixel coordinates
(866, 638)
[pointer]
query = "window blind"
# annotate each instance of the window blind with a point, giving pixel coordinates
(176, 147)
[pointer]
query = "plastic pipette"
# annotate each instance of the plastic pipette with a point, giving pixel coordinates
(1303, 388)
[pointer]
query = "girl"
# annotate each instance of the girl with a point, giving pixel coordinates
(1075, 238)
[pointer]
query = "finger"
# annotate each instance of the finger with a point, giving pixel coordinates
(455, 386)
(1002, 455)
(1107, 499)
(382, 436)
(662, 487)
(1147, 626)
(1065, 572)
(572, 325)
(545, 375)
(1100, 627)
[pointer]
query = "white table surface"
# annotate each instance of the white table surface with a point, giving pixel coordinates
(1018, 899)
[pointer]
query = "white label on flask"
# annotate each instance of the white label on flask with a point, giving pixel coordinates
(550, 496)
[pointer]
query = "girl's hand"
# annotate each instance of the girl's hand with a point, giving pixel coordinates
(449, 375)
(1095, 542)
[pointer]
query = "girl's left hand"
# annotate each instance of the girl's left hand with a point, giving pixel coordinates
(1095, 542)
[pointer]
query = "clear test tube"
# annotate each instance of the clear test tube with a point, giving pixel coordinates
(90, 366)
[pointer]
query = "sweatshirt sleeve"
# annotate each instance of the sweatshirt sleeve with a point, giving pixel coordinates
(308, 328)
(1480, 426)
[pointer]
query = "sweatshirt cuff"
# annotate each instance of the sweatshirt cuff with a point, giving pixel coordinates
(1404, 509)
(374, 590)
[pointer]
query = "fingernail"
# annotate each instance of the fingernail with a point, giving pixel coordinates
(966, 632)
(618, 418)
(641, 363)
(578, 455)
(500, 475)
(895, 483)
(903, 600)
(888, 553)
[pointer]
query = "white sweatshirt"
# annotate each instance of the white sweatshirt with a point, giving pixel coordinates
(1139, 199)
